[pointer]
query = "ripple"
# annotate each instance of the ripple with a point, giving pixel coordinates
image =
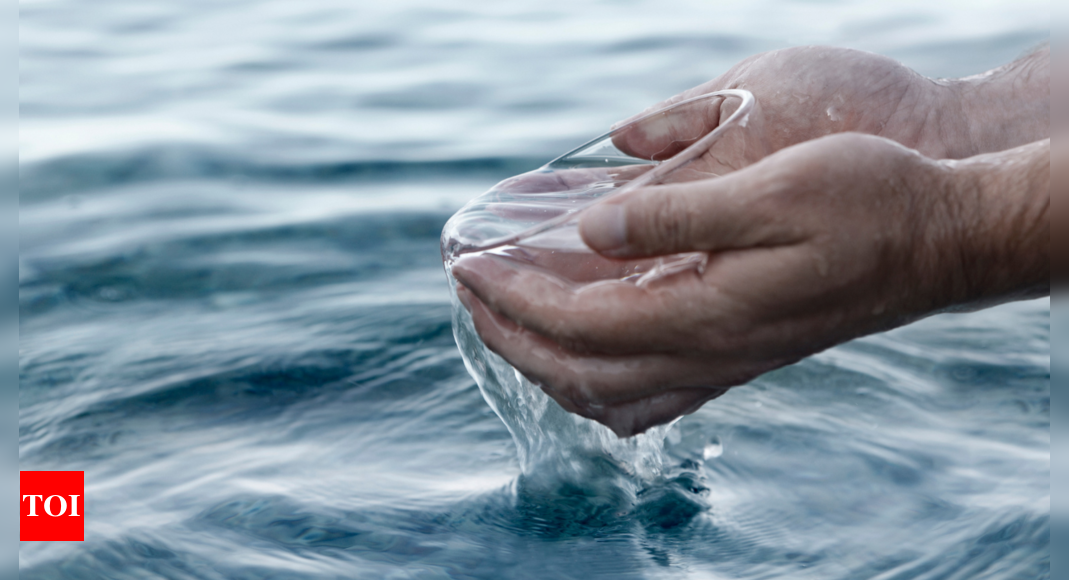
(233, 316)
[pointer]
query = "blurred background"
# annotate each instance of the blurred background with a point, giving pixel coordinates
(233, 315)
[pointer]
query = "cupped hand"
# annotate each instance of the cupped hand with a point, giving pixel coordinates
(812, 246)
(809, 92)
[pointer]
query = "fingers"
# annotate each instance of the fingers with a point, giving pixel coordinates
(561, 180)
(580, 266)
(607, 391)
(524, 197)
(634, 417)
(584, 383)
(542, 181)
(662, 136)
(669, 132)
(610, 316)
(729, 212)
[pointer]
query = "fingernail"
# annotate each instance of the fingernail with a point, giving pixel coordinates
(464, 295)
(462, 268)
(604, 227)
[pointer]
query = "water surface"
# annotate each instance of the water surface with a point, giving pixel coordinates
(233, 315)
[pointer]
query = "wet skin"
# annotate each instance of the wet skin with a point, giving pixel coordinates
(831, 236)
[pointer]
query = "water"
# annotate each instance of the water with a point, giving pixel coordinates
(531, 219)
(233, 315)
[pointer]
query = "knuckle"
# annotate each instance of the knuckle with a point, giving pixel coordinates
(669, 222)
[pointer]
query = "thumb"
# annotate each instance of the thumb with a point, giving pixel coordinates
(709, 215)
(663, 134)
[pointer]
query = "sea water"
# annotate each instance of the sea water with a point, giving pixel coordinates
(233, 315)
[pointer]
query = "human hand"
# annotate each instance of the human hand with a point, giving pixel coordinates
(809, 92)
(812, 246)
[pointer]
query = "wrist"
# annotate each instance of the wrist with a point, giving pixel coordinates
(1006, 107)
(995, 220)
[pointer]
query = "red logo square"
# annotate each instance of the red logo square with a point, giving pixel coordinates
(53, 506)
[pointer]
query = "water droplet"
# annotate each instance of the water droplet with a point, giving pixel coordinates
(713, 449)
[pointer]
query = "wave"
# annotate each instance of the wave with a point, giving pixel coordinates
(88, 171)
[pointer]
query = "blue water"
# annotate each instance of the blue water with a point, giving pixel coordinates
(233, 315)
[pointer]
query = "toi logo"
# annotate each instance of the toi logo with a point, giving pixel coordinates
(52, 506)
